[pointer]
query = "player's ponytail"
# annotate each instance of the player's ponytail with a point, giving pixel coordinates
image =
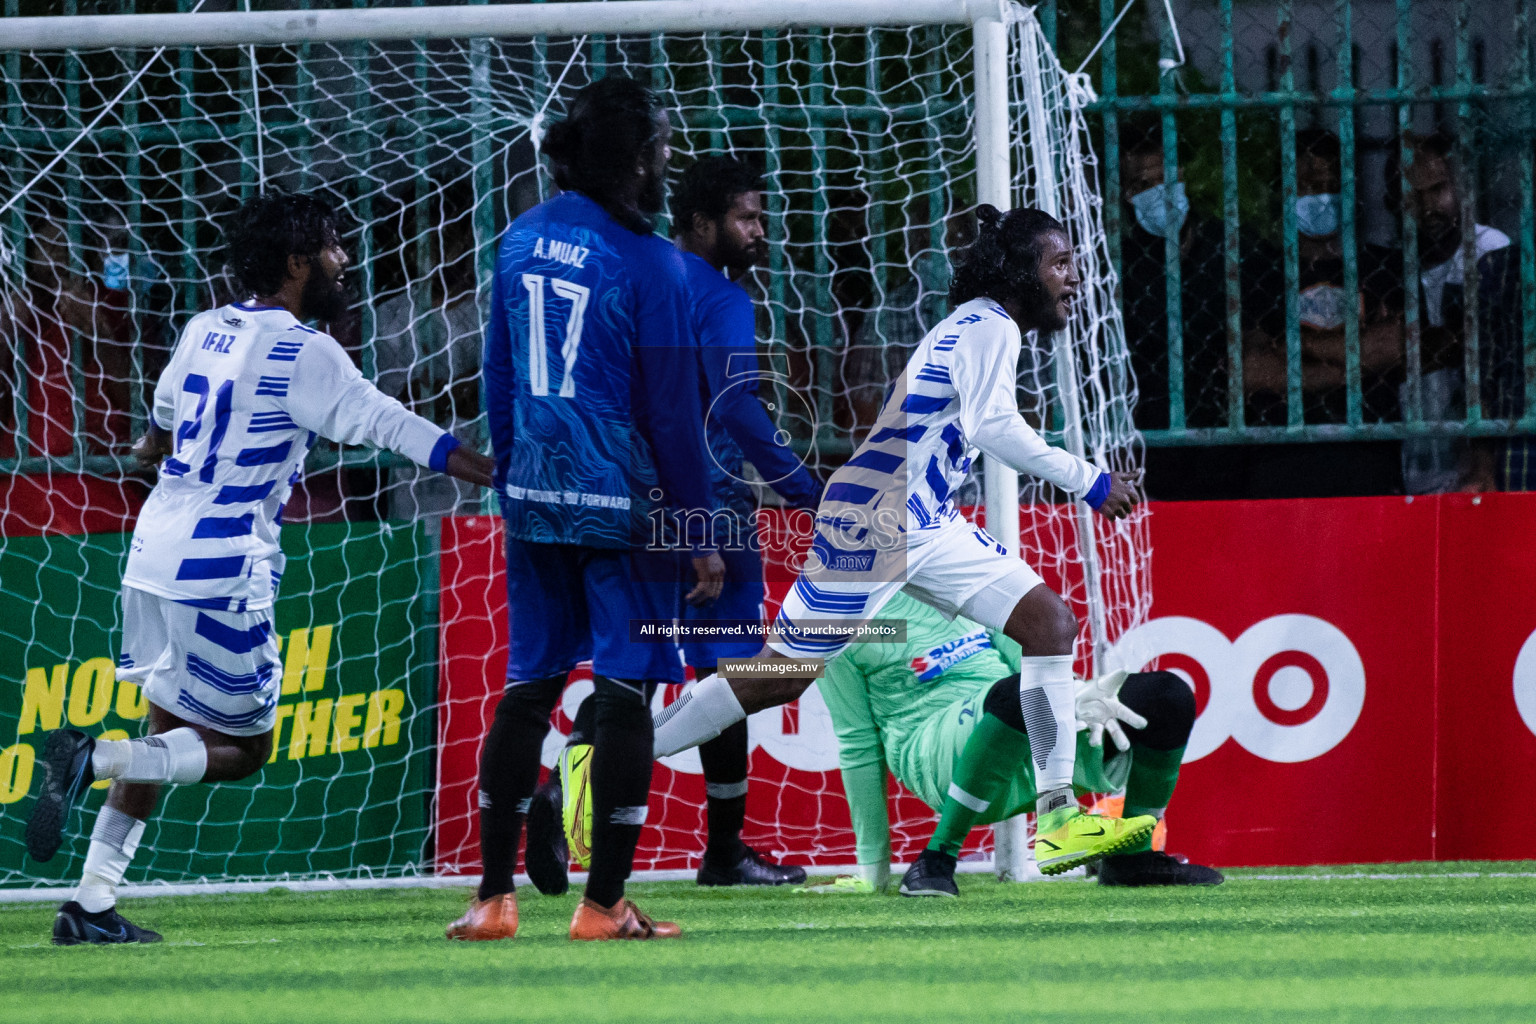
(1004, 261)
(559, 145)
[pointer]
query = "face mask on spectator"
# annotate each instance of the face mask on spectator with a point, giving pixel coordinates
(1153, 209)
(1322, 307)
(1318, 216)
(114, 270)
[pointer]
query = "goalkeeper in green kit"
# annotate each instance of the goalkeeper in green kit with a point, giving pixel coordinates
(939, 714)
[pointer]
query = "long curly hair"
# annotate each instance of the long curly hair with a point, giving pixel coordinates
(1004, 261)
(611, 126)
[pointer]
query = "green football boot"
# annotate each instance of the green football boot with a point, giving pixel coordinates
(575, 769)
(1067, 838)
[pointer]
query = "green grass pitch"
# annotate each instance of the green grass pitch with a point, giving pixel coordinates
(1450, 943)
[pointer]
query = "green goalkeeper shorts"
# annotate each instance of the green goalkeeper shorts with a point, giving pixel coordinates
(926, 761)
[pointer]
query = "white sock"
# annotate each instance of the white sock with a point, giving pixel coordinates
(175, 756)
(1045, 697)
(114, 840)
(704, 711)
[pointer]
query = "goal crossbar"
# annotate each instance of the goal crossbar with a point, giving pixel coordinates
(275, 28)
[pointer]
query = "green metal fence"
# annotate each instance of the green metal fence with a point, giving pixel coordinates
(867, 157)
(1375, 76)
(1221, 320)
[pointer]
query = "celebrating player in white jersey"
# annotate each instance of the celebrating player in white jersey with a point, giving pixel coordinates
(887, 523)
(246, 392)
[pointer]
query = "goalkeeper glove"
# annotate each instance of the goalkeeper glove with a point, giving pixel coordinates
(1098, 709)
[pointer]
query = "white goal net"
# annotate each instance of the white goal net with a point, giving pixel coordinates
(122, 152)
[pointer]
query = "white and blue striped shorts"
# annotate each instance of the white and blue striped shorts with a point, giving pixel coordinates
(219, 669)
(954, 567)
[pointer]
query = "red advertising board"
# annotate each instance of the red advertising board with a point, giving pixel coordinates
(1307, 628)
(1486, 674)
(1346, 654)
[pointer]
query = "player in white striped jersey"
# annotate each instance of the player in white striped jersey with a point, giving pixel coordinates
(887, 523)
(247, 391)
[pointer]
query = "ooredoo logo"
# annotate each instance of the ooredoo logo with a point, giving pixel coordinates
(1289, 689)
(1525, 682)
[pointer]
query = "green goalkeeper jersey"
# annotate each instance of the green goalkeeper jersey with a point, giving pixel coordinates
(889, 701)
(910, 707)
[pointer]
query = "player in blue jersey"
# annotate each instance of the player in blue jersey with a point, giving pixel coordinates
(591, 383)
(246, 392)
(718, 221)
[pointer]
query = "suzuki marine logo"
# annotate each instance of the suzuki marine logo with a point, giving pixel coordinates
(1289, 689)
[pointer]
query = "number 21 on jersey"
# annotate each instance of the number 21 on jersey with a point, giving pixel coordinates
(538, 343)
(188, 430)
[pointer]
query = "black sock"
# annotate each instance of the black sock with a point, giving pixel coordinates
(509, 770)
(724, 759)
(581, 725)
(621, 782)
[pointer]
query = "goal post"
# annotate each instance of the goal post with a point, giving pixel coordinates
(497, 21)
(879, 126)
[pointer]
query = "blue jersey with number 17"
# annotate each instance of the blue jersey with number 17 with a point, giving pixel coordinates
(591, 379)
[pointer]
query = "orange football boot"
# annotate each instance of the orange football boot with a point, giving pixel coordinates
(622, 921)
(487, 920)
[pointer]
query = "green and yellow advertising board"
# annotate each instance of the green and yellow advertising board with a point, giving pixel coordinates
(345, 791)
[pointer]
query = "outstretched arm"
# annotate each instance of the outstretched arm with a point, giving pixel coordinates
(984, 371)
(728, 350)
(329, 396)
(469, 465)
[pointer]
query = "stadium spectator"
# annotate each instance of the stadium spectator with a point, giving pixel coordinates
(1434, 203)
(1321, 468)
(888, 333)
(428, 356)
(58, 301)
(61, 300)
(1322, 306)
(1153, 211)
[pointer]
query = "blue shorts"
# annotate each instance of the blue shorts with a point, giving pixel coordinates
(740, 600)
(568, 604)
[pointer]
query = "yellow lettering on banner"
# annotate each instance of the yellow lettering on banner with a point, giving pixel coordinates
(90, 691)
(383, 724)
(42, 701)
(110, 734)
(16, 765)
(347, 719)
(131, 702)
(284, 711)
(311, 725)
(307, 659)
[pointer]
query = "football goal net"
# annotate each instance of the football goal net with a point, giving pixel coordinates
(878, 127)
